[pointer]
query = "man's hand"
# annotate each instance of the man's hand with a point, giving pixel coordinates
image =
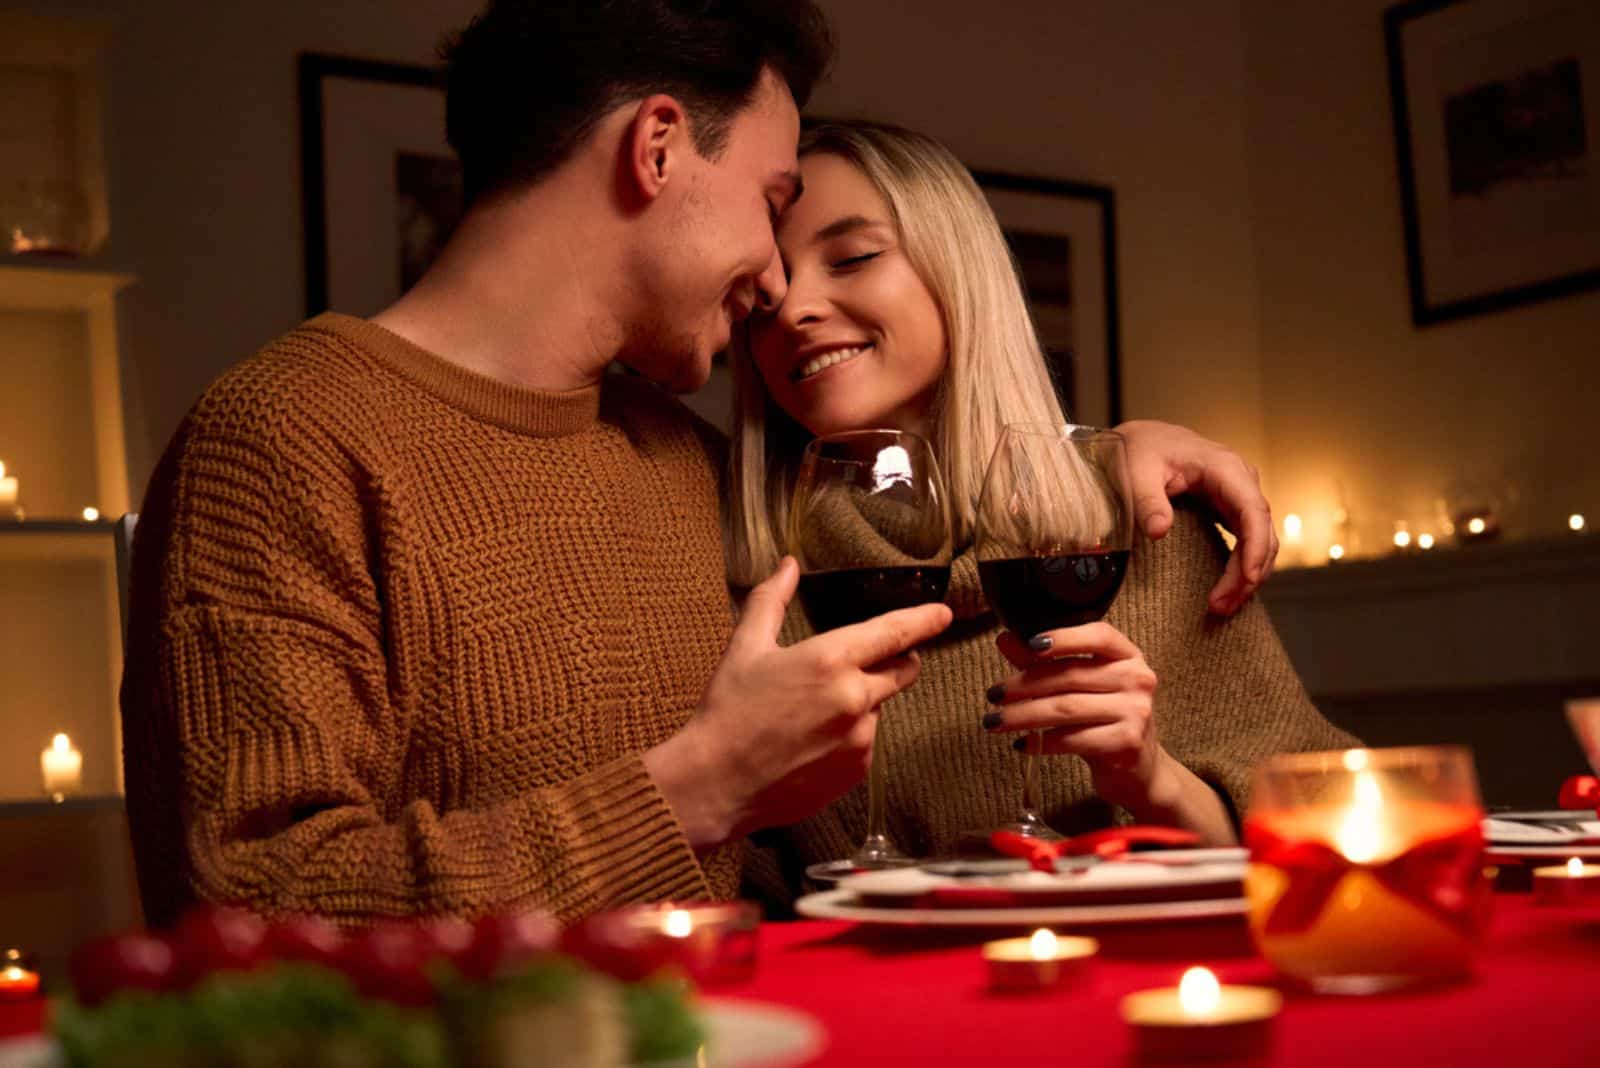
(781, 733)
(1168, 461)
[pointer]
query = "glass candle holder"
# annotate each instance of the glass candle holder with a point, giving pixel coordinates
(1366, 866)
(710, 942)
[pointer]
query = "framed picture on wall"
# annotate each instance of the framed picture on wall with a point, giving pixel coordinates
(1497, 129)
(381, 190)
(1063, 236)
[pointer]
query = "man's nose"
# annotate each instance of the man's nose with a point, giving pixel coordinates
(771, 284)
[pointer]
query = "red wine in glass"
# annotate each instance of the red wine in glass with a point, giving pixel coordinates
(1033, 594)
(847, 595)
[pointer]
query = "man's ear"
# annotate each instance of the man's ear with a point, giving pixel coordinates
(658, 137)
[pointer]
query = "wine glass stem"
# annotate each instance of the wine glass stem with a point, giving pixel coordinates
(1030, 780)
(877, 797)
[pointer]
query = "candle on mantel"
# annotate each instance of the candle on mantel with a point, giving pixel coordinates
(1038, 962)
(1200, 1019)
(91, 514)
(62, 766)
(8, 487)
(1293, 548)
(1573, 883)
(1424, 541)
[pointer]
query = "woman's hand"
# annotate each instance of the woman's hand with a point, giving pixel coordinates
(1090, 691)
(1166, 461)
(1092, 694)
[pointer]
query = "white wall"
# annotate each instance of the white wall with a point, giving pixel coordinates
(1353, 392)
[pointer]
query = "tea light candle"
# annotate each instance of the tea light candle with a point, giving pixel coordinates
(62, 767)
(18, 982)
(1037, 963)
(1202, 1019)
(1573, 883)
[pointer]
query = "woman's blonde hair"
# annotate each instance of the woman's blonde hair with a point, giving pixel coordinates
(995, 371)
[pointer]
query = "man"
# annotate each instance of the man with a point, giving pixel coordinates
(424, 607)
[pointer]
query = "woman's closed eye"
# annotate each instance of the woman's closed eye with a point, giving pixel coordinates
(852, 262)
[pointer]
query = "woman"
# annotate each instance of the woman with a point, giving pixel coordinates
(904, 310)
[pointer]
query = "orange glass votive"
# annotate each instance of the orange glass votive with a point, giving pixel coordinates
(1366, 867)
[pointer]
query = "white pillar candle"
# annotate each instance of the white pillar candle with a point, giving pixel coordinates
(62, 766)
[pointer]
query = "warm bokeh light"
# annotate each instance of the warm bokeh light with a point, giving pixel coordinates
(1356, 759)
(1402, 538)
(1424, 541)
(1358, 834)
(1199, 992)
(1292, 527)
(1336, 552)
(61, 743)
(1043, 944)
(1575, 521)
(90, 514)
(1575, 867)
(679, 924)
(1476, 525)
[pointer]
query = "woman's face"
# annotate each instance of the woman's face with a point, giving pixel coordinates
(858, 340)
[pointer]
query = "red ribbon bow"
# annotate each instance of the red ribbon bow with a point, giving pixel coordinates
(1107, 844)
(1581, 791)
(1441, 875)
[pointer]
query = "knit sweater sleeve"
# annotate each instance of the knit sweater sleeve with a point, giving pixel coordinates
(267, 725)
(1228, 696)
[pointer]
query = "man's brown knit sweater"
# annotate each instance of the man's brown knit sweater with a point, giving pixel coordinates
(400, 634)
(1228, 697)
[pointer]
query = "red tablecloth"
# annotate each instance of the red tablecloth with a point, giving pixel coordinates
(915, 998)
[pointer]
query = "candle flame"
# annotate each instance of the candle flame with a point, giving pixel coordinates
(90, 514)
(1199, 992)
(1042, 946)
(12, 974)
(1292, 527)
(1575, 867)
(1476, 524)
(1358, 835)
(1574, 521)
(61, 743)
(1424, 541)
(1402, 538)
(678, 924)
(1355, 760)
(1336, 552)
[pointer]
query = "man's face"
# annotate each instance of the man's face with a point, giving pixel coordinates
(718, 256)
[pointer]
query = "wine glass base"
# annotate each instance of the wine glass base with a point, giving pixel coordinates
(831, 871)
(1032, 827)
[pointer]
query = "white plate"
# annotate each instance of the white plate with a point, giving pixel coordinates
(1528, 828)
(1553, 853)
(740, 1034)
(842, 905)
(1075, 883)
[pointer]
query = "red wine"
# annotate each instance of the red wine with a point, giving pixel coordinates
(855, 594)
(1033, 594)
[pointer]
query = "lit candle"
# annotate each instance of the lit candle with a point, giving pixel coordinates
(1336, 552)
(1576, 523)
(1402, 535)
(1293, 539)
(90, 514)
(1202, 1019)
(711, 942)
(1038, 962)
(18, 982)
(1476, 526)
(62, 766)
(1424, 541)
(8, 486)
(1574, 883)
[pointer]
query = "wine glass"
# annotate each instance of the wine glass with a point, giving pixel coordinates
(1053, 532)
(869, 524)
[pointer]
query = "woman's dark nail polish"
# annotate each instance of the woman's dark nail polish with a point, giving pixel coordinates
(997, 693)
(1040, 643)
(991, 720)
(1020, 745)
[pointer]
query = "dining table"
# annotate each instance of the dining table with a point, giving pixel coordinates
(920, 996)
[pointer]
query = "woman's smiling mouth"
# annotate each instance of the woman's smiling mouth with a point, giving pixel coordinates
(817, 364)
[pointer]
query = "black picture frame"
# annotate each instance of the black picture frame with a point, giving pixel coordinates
(317, 74)
(1485, 202)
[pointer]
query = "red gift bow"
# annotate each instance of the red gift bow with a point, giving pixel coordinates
(1581, 791)
(1107, 844)
(1441, 875)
